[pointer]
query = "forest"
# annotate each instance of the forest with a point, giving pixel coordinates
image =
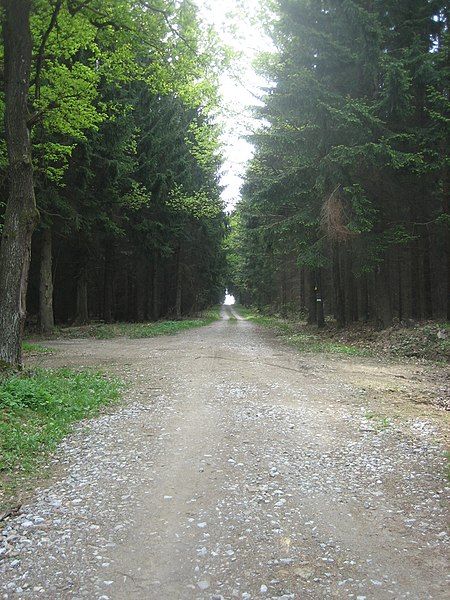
(109, 162)
(111, 205)
(345, 208)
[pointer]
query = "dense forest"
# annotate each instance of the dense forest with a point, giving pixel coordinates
(109, 164)
(345, 209)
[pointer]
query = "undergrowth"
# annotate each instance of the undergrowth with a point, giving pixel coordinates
(429, 340)
(38, 407)
(105, 331)
(29, 348)
(300, 337)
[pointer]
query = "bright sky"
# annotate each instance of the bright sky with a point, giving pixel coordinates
(237, 24)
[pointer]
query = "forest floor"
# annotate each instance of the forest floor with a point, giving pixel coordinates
(238, 467)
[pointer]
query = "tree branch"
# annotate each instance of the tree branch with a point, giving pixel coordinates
(41, 52)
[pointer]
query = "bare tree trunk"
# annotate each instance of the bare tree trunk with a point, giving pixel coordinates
(46, 318)
(311, 297)
(21, 214)
(155, 288)
(140, 289)
(382, 295)
(319, 300)
(108, 282)
(179, 291)
(427, 282)
(339, 301)
(82, 298)
(365, 299)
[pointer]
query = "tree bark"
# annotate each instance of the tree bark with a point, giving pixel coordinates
(319, 300)
(46, 318)
(141, 280)
(108, 282)
(427, 281)
(179, 290)
(339, 301)
(82, 298)
(155, 288)
(311, 297)
(21, 215)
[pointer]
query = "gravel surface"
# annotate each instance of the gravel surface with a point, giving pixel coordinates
(238, 468)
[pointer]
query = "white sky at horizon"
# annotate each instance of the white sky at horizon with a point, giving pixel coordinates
(237, 24)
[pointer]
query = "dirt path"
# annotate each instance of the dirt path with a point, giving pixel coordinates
(238, 469)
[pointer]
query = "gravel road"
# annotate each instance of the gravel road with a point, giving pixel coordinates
(238, 468)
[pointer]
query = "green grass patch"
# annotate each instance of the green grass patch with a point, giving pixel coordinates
(302, 337)
(37, 409)
(31, 348)
(379, 422)
(106, 331)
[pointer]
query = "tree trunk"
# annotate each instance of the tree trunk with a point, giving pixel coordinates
(108, 283)
(46, 319)
(427, 282)
(365, 299)
(179, 291)
(311, 297)
(21, 214)
(320, 313)
(339, 301)
(382, 295)
(82, 298)
(155, 288)
(141, 280)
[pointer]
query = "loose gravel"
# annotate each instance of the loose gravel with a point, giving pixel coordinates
(235, 469)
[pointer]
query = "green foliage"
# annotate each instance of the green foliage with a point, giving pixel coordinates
(37, 409)
(351, 155)
(126, 147)
(139, 330)
(31, 348)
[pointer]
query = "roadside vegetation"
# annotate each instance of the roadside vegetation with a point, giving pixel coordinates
(106, 331)
(30, 349)
(426, 340)
(37, 410)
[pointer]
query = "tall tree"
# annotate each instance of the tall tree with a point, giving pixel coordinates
(21, 213)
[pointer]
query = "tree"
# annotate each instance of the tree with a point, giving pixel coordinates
(343, 200)
(78, 84)
(21, 213)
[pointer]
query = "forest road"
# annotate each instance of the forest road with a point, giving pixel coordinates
(236, 468)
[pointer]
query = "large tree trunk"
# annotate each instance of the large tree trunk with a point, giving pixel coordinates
(46, 319)
(21, 214)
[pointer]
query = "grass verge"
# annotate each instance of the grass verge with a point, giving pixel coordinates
(37, 409)
(301, 336)
(29, 348)
(106, 331)
(423, 340)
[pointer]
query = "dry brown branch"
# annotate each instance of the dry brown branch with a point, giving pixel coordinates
(333, 217)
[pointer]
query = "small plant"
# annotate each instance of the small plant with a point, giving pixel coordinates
(447, 465)
(380, 423)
